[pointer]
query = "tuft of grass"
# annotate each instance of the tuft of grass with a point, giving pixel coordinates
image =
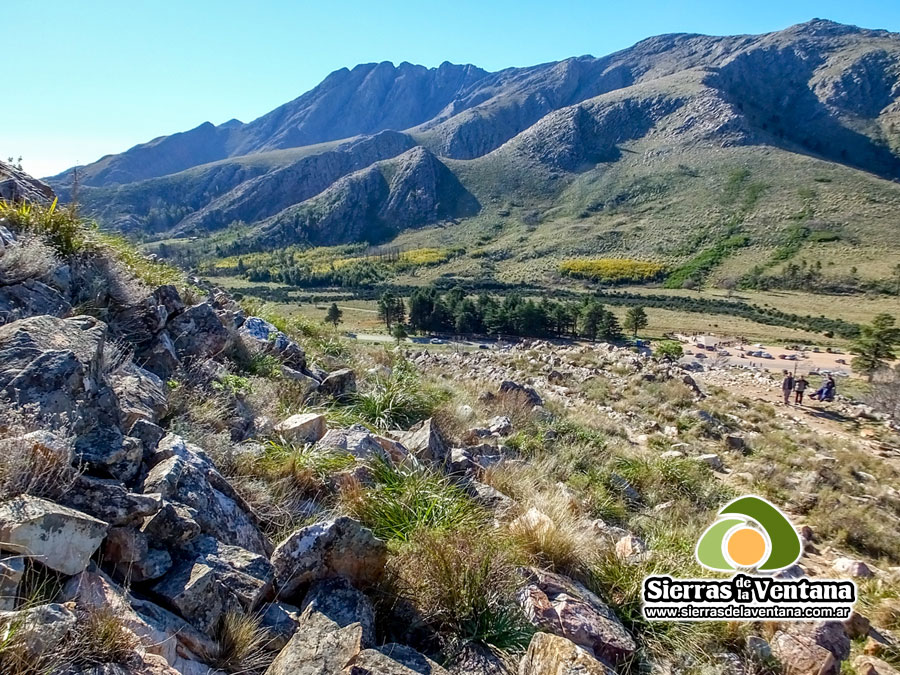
(240, 645)
(29, 466)
(463, 584)
(409, 499)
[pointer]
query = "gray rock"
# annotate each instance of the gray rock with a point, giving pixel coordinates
(148, 434)
(247, 575)
(109, 500)
(128, 551)
(182, 473)
(159, 356)
(59, 537)
(339, 384)
(527, 394)
(31, 298)
(260, 336)
(18, 186)
(106, 452)
(172, 526)
(279, 620)
(196, 592)
(336, 624)
(302, 428)
(489, 497)
(357, 441)
(141, 394)
(39, 630)
(197, 333)
(425, 442)
(340, 547)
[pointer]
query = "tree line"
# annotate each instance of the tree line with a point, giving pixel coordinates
(428, 310)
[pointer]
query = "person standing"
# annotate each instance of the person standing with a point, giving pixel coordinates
(787, 387)
(799, 387)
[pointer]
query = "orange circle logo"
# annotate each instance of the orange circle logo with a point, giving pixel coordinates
(746, 546)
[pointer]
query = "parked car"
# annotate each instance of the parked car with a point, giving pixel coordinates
(724, 352)
(437, 341)
(700, 355)
(841, 361)
(765, 355)
(483, 347)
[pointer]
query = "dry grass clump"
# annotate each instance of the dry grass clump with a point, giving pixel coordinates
(240, 645)
(462, 584)
(28, 258)
(31, 461)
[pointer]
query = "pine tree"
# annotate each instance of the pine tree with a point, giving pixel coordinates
(334, 315)
(635, 320)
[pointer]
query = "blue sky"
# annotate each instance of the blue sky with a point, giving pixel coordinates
(99, 76)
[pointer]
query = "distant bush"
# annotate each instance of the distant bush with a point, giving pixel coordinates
(669, 349)
(612, 270)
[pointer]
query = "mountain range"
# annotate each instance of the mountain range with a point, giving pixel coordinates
(652, 151)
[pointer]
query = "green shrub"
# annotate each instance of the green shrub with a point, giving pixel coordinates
(612, 270)
(670, 350)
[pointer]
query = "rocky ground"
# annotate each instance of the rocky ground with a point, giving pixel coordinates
(187, 487)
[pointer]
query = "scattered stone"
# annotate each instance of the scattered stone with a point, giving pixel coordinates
(302, 428)
(260, 336)
(340, 547)
(195, 590)
(736, 443)
(141, 395)
(526, 393)
(630, 548)
(852, 568)
(500, 425)
(61, 538)
(39, 630)
(424, 441)
(759, 648)
(357, 441)
(172, 525)
(800, 655)
(713, 461)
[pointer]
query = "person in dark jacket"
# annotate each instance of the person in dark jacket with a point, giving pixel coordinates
(826, 391)
(799, 387)
(787, 386)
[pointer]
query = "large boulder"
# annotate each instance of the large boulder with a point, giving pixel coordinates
(18, 186)
(183, 474)
(197, 333)
(30, 298)
(260, 336)
(357, 441)
(337, 622)
(521, 392)
(554, 655)
(340, 547)
(61, 538)
(55, 366)
(558, 605)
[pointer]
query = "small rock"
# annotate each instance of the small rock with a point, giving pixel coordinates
(302, 428)
(339, 384)
(852, 568)
(714, 462)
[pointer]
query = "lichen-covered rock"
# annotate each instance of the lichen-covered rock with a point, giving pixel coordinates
(260, 336)
(337, 622)
(357, 441)
(196, 592)
(172, 526)
(129, 552)
(105, 451)
(61, 538)
(198, 333)
(279, 621)
(247, 575)
(183, 474)
(30, 298)
(340, 547)
(141, 395)
(39, 630)
(564, 607)
(554, 655)
(109, 500)
(800, 655)
(302, 428)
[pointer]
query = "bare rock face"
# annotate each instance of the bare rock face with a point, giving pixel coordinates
(865, 664)
(340, 547)
(336, 624)
(59, 537)
(31, 298)
(18, 186)
(554, 655)
(563, 607)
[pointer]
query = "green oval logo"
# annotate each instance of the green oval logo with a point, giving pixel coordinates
(749, 532)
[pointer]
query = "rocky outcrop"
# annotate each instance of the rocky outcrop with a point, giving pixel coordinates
(554, 655)
(18, 186)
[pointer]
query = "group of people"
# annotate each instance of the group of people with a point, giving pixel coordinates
(798, 386)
